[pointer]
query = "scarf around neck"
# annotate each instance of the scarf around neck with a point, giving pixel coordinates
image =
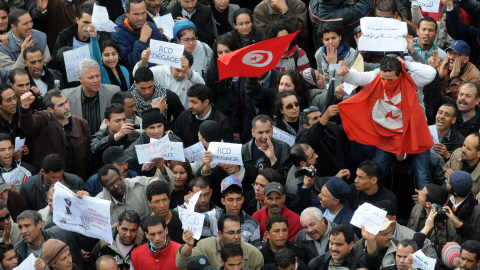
(143, 104)
(152, 247)
(114, 80)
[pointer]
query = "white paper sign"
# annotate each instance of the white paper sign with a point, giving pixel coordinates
(428, 5)
(27, 264)
(18, 143)
(165, 53)
(334, 67)
(193, 201)
(382, 34)
(230, 153)
(162, 148)
(10, 177)
(88, 216)
(100, 19)
(370, 217)
(191, 221)
(194, 152)
(434, 134)
(348, 88)
(283, 136)
(423, 262)
(72, 60)
(166, 23)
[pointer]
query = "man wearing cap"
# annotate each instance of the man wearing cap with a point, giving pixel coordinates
(461, 199)
(275, 200)
(456, 68)
(199, 262)
(57, 255)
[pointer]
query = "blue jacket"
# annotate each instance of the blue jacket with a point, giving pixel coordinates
(13, 50)
(458, 30)
(131, 47)
(93, 185)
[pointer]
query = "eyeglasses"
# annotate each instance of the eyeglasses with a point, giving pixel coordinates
(247, 23)
(7, 216)
(115, 182)
(231, 233)
(164, 201)
(254, 185)
(453, 53)
(311, 109)
(291, 105)
(188, 40)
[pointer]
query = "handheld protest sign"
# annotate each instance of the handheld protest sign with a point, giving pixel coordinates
(165, 53)
(230, 153)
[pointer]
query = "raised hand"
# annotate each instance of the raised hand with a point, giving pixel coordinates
(331, 55)
(145, 56)
(27, 99)
(434, 61)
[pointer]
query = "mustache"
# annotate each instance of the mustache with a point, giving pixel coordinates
(156, 6)
(26, 234)
(463, 102)
(312, 232)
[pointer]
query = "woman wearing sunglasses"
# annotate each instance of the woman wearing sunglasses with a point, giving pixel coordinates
(287, 112)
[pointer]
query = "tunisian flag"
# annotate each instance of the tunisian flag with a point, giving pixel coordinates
(255, 59)
(387, 115)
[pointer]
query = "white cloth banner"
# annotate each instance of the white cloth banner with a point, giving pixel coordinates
(194, 152)
(283, 136)
(191, 221)
(72, 60)
(382, 34)
(10, 177)
(100, 19)
(230, 153)
(166, 23)
(370, 217)
(165, 53)
(428, 5)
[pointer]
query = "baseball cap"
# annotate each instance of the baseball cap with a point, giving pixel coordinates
(114, 154)
(385, 224)
(229, 181)
(273, 186)
(460, 46)
(3, 186)
(199, 262)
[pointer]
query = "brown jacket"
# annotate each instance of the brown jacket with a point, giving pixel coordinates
(61, 15)
(455, 163)
(296, 16)
(48, 137)
(471, 73)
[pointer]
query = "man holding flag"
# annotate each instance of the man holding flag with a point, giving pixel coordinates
(388, 115)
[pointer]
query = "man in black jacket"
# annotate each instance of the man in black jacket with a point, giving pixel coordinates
(20, 82)
(285, 259)
(40, 76)
(76, 35)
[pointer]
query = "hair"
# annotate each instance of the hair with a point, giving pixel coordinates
(84, 8)
(16, 72)
(47, 98)
(301, 87)
(225, 217)
(371, 168)
(189, 57)
(346, 230)
(5, 137)
(184, 30)
(241, 11)
(87, 63)
(4, 87)
(303, 118)
(276, 219)
(120, 97)
(409, 242)
(4, 6)
(435, 194)
(390, 63)
(473, 85)
(227, 40)
(15, 14)
(262, 118)
(276, 26)
(58, 63)
(279, 101)
(53, 163)
(472, 246)
(476, 134)
(34, 216)
(128, 2)
(332, 27)
(272, 175)
(3, 205)
(284, 258)
(104, 171)
(314, 211)
(200, 182)
(231, 250)
(236, 189)
(4, 248)
(30, 49)
(297, 153)
(113, 108)
(428, 19)
(186, 165)
(153, 221)
(109, 43)
(143, 74)
(129, 216)
(101, 259)
(387, 6)
(200, 91)
(157, 188)
(451, 106)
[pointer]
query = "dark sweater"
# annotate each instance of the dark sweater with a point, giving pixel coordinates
(357, 198)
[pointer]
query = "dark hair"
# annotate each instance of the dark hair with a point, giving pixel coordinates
(279, 101)
(231, 250)
(153, 221)
(84, 8)
(4, 248)
(200, 91)
(297, 153)
(227, 40)
(120, 97)
(276, 219)
(128, 2)
(371, 169)
(225, 217)
(34, 216)
(53, 163)
(4, 87)
(390, 63)
(157, 188)
(272, 175)
(3, 205)
(101, 259)
(332, 27)
(346, 230)
(14, 15)
(472, 246)
(30, 49)
(4, 6)
(189, 57)
(104, 171)
(409, 242)
(16, 72)
(435, 194)
(473, 85)
(428, 19)
(186, 165)
(284, 258)
(303, 118)
(476, 134)
(143, 74)
(47, 98)
(231, 189)
(301, 88)
(451, 106)
(276, 26)
(200, 182)
(109, 43)
(113, 108)
(184, 30)
(241, 11)
(129, 216)
(262, 118)
(5, 137)
(387, 6)
(58, 63)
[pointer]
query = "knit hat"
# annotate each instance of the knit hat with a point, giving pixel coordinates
(199, 262)
(52, 250)
(229, 181)
(309, 76)
(152, 116)
(210, 131)
(451, 254)
(461, 183)
(181, 24)
(338, 188)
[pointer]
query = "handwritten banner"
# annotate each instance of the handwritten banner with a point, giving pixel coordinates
(229, 153)
(162, 148)
(428, 5)
(72, 60)
(194, 152)
(370, 217)
(283, 136)
(382, 34)
(100, 19)
(191, 221)
(165, 53)
(166, 23)
(421, 261)
(11, 178)
(27, 264)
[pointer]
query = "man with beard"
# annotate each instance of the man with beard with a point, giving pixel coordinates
(40, 76)
(66, 134)
(20, 82)
(8, 257)
(425, 44)
(461, 199)
(154, 9)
